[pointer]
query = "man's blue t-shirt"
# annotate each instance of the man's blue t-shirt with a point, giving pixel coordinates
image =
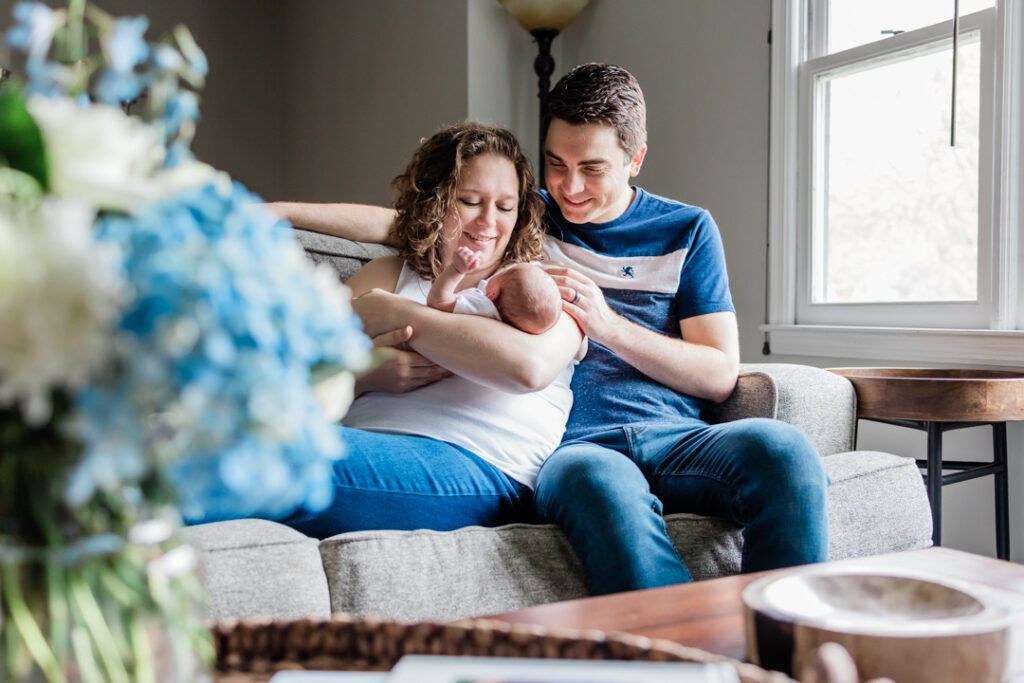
(658, 263)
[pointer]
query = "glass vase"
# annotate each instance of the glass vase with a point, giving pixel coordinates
(102, 609)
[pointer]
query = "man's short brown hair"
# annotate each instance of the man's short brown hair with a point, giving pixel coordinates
(605, 94)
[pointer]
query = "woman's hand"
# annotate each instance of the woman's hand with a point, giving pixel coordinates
(398, 369)
(381, 311)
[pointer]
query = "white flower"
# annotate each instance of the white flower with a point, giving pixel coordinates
(97, 153)
(60, 292)
(190, 174)
(335, 394)
(174, 563)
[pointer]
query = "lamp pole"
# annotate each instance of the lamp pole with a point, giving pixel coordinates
(543, 19)
(544, 65)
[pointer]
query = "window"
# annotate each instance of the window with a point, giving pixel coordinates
(895, 227)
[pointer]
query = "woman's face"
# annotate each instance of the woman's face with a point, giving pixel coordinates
(486, 210)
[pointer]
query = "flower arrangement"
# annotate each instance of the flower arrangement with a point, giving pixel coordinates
(164, 348)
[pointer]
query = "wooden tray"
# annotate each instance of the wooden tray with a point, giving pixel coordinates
(937, 395)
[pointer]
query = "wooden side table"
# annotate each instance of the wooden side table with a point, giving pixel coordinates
(937, 401)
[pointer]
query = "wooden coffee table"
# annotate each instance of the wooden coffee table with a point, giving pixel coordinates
(709, 614)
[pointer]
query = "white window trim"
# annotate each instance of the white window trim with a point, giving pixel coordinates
(1003, 343)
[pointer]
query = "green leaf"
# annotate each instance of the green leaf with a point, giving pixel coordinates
(21, 143)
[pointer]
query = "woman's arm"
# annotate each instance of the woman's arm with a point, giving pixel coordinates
(359, 222)
(483, 350)
(397, 369)
(380, 273)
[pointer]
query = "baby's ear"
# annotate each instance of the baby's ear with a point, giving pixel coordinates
(493, 290)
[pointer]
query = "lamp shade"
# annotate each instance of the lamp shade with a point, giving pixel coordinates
(544, 14)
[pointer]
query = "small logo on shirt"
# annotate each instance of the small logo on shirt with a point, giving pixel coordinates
(627, 271)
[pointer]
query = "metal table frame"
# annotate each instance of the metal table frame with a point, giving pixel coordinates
(963, 470)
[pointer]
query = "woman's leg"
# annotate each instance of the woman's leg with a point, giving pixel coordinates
(394, 481)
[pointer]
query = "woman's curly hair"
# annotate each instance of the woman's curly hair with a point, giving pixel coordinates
(426, 195)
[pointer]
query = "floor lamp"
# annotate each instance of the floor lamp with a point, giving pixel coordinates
(544, 19)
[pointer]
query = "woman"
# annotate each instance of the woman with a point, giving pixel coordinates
(464, 450)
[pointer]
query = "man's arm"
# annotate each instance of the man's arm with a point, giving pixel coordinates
(483, 350)
(704, 363)
(359, 222)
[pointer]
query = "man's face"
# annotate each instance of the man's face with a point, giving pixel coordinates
(587, 172)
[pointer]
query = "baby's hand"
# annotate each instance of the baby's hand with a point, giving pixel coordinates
(466, 259)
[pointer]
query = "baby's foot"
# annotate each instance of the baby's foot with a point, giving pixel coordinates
(466, 259)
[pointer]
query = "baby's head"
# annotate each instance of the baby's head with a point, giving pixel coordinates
(526, 297)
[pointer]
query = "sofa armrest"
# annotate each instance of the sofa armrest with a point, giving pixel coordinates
(345, 256)
(822, 404)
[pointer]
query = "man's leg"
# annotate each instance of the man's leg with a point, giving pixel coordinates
(393, 481)
(603, 502)
(763, 474)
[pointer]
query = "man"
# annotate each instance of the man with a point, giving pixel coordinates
(645, 279)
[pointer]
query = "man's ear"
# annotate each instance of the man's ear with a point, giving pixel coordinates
(637, 161)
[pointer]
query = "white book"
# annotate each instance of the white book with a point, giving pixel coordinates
(329, 677)
(447, 669)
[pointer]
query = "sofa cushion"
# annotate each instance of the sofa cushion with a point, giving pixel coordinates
(256, 568)
(876, 504)
(422, 574)
(345, 256)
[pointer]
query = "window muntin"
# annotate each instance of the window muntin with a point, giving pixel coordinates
(858, 22)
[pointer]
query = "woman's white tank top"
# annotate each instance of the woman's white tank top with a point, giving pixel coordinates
(513, 432)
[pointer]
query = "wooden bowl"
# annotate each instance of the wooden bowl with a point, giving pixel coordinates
(908, 627)
(937, 395)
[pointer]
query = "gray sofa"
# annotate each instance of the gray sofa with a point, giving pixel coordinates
(255, 568)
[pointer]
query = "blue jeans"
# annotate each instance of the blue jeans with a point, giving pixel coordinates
(609, 493)
(394, 481)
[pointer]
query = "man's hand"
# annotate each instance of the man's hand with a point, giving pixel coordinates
(584, 301)
(703, 362)
(399, 369)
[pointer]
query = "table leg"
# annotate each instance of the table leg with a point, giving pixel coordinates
(1002, 494)
(935, 478)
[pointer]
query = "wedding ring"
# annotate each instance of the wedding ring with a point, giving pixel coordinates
(576, 296)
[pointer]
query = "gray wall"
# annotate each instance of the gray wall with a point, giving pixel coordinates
(324, 100)
(363, 82)
(704, 70)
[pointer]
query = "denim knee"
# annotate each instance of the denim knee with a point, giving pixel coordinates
(782, 455)
(591, 481)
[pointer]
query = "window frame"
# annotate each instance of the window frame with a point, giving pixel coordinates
(994, 337)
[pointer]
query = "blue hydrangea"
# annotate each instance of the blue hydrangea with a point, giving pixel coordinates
(33, 28)
(214, 353)
(126, 46)
(182, 106)
(114, 87)
(129, 66)
(126, 49)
